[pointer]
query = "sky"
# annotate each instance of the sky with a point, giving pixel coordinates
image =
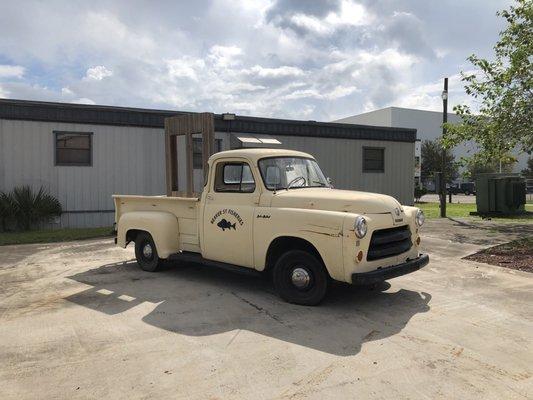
(299, 59)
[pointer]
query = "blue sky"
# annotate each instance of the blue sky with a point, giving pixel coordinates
(318, 60)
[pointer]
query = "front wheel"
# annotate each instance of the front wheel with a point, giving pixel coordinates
(146, 252)
(300, 278)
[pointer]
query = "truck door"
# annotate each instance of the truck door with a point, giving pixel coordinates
(228, 214)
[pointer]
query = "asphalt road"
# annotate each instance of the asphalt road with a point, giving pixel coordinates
(81, 320)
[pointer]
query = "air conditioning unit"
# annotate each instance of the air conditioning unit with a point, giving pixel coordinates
(500, 194)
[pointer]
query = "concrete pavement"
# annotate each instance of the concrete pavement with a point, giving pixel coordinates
(456, 198)
(81, 320)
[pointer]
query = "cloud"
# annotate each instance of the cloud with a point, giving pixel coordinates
(224, 56)
(11, 71)
(319, 60)
(97, 73)
(278, 72)
(83, 100)
(318, 17)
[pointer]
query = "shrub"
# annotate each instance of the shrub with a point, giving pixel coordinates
(7, 209)
(30, 208)
(419, 192)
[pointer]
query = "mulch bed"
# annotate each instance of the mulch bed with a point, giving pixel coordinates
(517, 255)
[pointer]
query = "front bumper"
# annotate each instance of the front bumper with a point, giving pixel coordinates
(383, 274)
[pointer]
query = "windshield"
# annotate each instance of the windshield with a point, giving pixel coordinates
(291, 173)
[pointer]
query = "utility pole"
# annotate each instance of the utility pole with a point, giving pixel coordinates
(443, 176)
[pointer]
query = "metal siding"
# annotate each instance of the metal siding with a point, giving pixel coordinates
(341, 160)
(126, 160)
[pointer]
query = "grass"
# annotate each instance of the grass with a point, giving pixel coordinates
(462, 210)
(57, 235)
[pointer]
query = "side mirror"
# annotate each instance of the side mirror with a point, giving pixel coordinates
(273, 176)
(330, 182)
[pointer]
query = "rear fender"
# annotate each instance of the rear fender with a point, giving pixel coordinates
(163, 226)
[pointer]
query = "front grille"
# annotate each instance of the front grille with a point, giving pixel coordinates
(389, 242)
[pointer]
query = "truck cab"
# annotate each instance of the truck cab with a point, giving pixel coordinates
(273, 211)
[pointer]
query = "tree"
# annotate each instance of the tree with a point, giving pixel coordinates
(503, 89)
(528, 172)
(431, 152)
(475, 167)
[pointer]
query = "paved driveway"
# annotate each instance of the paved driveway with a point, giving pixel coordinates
(80, 320)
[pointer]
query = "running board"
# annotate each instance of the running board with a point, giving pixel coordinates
(196, 258)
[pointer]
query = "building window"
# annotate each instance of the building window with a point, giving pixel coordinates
(73, 148)
(234, 177)
(197, 162)
(373, 159)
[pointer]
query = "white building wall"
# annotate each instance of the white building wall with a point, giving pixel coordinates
(428, 125)
(126, 160)
(131, 160)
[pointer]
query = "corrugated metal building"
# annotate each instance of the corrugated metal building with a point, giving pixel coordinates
(428, 125)
(84, 153)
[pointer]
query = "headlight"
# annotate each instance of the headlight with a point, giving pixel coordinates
(360, 227)
(420, 218)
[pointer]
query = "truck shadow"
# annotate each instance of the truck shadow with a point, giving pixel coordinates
(195, 300)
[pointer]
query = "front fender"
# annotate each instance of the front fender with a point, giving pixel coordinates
(163, 226)
(322, 229)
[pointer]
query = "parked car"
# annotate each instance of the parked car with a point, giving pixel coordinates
(274, 211)
(466, 188)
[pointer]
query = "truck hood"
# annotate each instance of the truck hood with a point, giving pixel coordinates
(335, 200)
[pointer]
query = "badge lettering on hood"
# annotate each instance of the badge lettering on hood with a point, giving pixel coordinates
(398, 212)
(225, 223)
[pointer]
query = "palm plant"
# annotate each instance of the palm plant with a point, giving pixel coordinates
(32, 207)
(7, 209)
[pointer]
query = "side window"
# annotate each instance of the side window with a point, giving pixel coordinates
(234, 177)
(73, 148)
(373, 159)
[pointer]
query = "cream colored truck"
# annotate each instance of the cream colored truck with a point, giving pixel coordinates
(273, 210)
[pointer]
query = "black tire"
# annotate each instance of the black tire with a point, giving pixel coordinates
(147, 262)
(317, 286)
(467, 193)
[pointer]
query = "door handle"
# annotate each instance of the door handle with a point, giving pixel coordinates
(209, 197)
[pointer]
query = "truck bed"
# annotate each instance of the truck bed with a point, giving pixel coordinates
(185, 209)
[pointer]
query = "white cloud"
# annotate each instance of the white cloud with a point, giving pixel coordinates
(83, 100)
(185, 67)
(278, 72)
(224, 56)
(312, 23)
(351, 13)
(97, 73)
(11, 71)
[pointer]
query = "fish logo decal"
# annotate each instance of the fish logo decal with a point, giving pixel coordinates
(224, 224)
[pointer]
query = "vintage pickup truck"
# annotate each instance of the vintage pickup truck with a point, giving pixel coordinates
(273, 211)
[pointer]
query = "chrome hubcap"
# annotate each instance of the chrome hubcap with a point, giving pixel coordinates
(300, 278)
(147, 250)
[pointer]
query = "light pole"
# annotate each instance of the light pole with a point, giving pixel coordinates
(443, 176)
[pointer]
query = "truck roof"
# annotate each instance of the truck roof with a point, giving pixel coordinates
(256, 154)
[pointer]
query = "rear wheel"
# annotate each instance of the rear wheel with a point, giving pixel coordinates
(146, 252)
(300, 278)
